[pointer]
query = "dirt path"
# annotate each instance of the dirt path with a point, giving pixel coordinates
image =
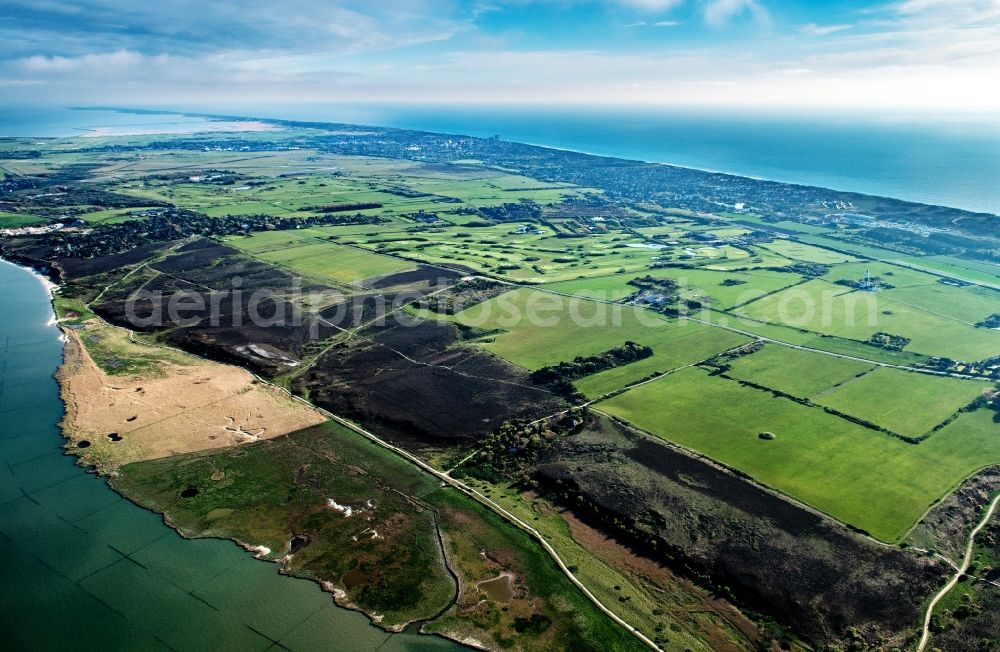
(966, 560)
(489, 503)
(457, 484)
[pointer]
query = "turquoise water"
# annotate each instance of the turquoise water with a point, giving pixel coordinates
(59, 122)
(83, 568)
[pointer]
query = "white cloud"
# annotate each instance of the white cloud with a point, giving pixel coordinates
(913, 53)
(109, 64)
(719, 12)
(977, 9)
(812, 29)
(659, 23)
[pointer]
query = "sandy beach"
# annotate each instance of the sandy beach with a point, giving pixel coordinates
(227, 126)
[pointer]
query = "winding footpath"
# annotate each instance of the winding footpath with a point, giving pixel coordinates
(440, 475)
(447, 479)
(925, 637)
(489, 503)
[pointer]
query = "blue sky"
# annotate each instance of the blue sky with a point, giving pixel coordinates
(934, 55)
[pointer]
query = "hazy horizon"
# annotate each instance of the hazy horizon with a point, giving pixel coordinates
(916, 56)
(943, 161)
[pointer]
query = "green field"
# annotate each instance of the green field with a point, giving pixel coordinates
(865, 478)
(966, 304)
(319, 259)
(823, 307)
(907, 403)
(796, 372)
(894, 275)
(542, 329)
(504, 250)
(723, 289)
(969, 270)
(683, 347)
(808, 253)
(16, 220)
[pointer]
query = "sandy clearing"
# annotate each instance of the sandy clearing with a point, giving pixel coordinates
(183, 405)
(176, 128)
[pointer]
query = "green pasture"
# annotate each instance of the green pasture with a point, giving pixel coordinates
(825, 308)
(305, 255)
(867, 479)
(905, 402)
(971, 270)
(16, 220)
(793, 371)
(760, 259)
(807, 253)
(538, 329)
(683, 346)
(970, 304)
(801, 337)
(894, 275)
(717, 286)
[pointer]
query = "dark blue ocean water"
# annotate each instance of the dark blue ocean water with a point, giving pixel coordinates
(947, 160)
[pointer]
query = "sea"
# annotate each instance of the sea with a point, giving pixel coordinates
(85, 569)
(943, 160)
(947, 160)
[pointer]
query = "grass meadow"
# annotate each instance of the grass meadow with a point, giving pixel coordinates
(796, 372)
(826, 308)
(902, 401)
(566, 327)
(867, 479)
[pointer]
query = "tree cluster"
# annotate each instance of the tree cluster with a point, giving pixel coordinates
(559, 377)
(888, 341)
(171, 223)
(524, 210)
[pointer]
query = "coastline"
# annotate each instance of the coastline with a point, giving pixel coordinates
(326, 124)
(260, 553)
(337, 594)
(221, 126)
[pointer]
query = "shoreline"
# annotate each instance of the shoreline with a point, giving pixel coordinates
(60, 303)
(180, 129)
(322, 124)
(336, 593)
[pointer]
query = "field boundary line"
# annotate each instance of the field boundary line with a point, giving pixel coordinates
(706, 322)
(950, 491)
(698, 455)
